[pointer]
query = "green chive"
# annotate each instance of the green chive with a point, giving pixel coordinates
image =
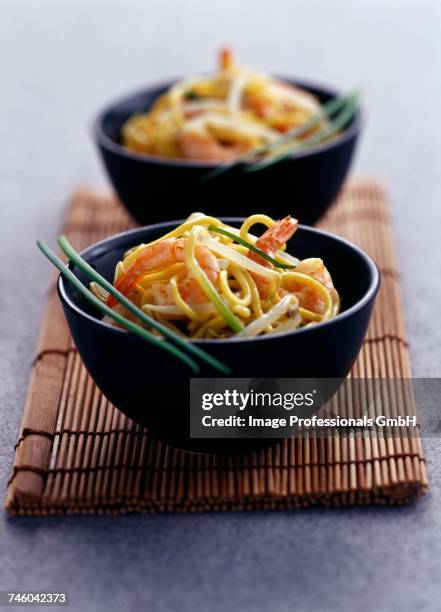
(70, 252)
(129, 325)
(327, 109)
(251, 247)
(208, 288)
(191, 95)
(335, 126)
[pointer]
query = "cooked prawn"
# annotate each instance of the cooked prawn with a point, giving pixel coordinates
(203, 145)
(216, 137)
(310, 297)
(291, 98)
(161, 255)
(238, 110)
(226, 59)
(315, 267)
(270, 242)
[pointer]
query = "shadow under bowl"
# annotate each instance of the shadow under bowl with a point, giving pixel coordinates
(152, 387)
(155, 189)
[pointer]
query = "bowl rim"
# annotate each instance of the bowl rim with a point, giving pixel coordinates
(370, 293)
(107, 143)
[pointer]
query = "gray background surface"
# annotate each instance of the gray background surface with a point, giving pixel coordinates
(59, 62)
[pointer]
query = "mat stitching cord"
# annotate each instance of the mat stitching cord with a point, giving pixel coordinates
(33, 432)
(342, 218)
(27, 468)
(52, 351)
(80, 432)
(388, 337)
(127, 466)
(390, 272)
(65, 352)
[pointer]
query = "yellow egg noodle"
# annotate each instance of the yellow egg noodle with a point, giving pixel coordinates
(207, 279)
(218, 118)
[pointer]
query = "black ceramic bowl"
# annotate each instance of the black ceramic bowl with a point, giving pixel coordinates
(154, 189)
(152, 387)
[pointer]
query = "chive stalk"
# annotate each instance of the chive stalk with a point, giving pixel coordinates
(128, 325)
(70, 252)
(250, 246)
(207, 286)
(335, 126)
(327, 109)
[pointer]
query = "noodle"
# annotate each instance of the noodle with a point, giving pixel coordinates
(206, 286)
(220, 118)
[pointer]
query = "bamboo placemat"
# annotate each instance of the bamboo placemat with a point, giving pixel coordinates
(78, 454)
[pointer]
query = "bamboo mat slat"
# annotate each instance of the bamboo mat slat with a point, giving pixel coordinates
(77, 454)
